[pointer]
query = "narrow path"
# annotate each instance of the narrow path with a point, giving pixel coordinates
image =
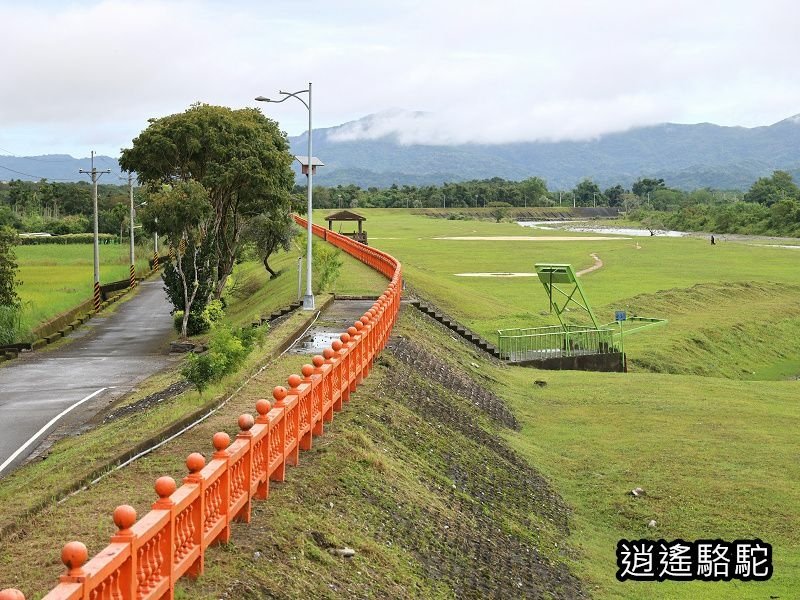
(598, 264)
(63, 388)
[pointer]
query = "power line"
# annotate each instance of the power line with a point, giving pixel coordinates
(34, 176)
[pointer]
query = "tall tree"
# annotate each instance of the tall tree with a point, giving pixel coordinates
(269, 233)
(8, 268)
(180, 214)
(769, 190)
(240, 156)
(614, 195)
(587, 192)
(642, 186)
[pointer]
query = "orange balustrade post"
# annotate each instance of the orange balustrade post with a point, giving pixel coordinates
(261, 450)
(311, 400)
(192, 538)
(221, 441)
(292, 418)
(165, 487)
(277, 444)
(324, 387)
(240, 484)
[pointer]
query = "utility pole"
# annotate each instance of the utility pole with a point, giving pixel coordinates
(559, 198)
(95, 175)
(133, 215)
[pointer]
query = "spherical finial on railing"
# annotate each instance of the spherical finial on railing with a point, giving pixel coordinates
(352, 331)
(124, 517)
(279, 393)
(263, 407)
(74, 556)
(195, 462)
(328, 353)
(336, 345)
(359, 325)
(11, 594)
(165, 487)
(294, 380)
(221, 440)
(345, 337)
(246, 422)
(318, 361)
(307, 370)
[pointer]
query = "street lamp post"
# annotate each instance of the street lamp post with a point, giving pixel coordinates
(308, 299)
(95, 175)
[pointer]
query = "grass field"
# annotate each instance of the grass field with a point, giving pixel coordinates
(716, 458)
(57, 277)
(715, 454)
(654, 276)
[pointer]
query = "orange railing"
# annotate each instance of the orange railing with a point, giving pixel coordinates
(146, 557)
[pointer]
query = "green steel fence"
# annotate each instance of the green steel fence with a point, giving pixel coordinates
(540, 343)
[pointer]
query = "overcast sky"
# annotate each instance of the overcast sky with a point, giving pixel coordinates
(88, 75)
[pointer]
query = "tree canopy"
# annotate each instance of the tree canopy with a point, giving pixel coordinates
(769, 190)
(239, 156)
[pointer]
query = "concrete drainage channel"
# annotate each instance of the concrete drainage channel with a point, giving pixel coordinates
(333, 321)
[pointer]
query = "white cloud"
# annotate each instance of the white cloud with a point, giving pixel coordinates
(89, 75)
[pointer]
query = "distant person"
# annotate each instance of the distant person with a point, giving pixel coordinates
(713, 242)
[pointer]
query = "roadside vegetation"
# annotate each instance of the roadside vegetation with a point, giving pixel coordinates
(162, 400)
(55, 278)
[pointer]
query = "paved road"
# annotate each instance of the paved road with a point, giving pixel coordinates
(104, 359)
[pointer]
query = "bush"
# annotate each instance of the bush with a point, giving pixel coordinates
(200, 321)
(227, 350)
(71, 238)
(327, 264)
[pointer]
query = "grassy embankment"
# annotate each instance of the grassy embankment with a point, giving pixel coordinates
(716, 456)
(717, 453)
(74, 458)
(415, 478)
(58, 277)
(733, 300)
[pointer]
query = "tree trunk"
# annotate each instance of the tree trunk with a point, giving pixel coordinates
(272, 274)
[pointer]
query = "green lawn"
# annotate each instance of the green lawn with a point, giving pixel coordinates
(57, 277)
(717, 459)
(647, 276)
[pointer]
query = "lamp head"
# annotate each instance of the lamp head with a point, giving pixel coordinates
(262, 99)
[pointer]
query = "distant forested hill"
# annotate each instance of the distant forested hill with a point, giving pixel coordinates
(56, 167)
(685, 156)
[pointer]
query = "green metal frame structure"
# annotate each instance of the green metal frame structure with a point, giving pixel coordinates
(561, 284)
(565, 293)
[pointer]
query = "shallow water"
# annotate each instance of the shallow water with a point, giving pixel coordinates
(633, 232)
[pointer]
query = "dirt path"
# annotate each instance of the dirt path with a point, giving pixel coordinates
(598, 264)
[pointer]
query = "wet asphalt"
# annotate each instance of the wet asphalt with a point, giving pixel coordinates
(106, 357)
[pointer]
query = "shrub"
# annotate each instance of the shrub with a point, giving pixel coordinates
(227, 350)
(199, 322)
(327, 264)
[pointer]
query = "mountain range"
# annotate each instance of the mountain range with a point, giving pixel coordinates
(685, 156)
